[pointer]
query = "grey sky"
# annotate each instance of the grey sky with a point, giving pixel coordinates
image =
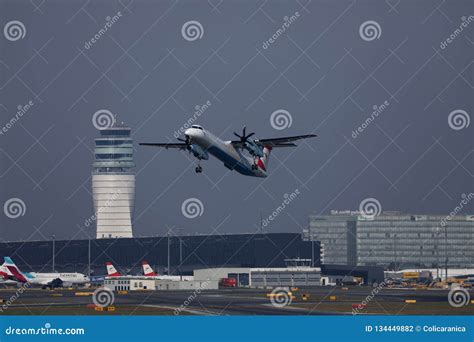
(320, 70)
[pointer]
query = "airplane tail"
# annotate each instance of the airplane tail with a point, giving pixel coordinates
(263, 161)
(147, 270)
(14, 270)
(111, 270)
(4, 272)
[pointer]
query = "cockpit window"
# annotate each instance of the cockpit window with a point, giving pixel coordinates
(197, 126)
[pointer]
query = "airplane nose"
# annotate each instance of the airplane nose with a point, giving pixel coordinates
(188, 132)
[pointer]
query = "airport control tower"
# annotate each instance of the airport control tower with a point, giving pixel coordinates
(113, 182)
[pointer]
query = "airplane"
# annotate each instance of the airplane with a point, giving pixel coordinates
(6, 277)
(147, 270)
(201, 142)
(45, 279)
(111, 270)
(150, 273)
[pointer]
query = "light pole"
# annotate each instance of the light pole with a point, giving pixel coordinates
(446, 250)
(89, 257)
(438, 276)
(54, 250)
(169, 259)
(180, 252)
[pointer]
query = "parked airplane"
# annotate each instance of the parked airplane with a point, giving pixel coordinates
(111, 270)
(149, 272)
(45, 279)
(6, 277)
(200, 142)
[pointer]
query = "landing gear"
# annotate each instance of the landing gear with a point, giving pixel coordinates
(254, 167)
(198, 169)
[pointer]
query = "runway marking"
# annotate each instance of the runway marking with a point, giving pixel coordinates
(196, 312)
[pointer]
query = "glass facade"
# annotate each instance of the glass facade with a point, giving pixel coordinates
(186, 252)
(331, 232)
(114, 151)
(395, 240)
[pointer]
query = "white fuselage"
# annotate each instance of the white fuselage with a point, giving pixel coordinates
(232, 158)
(66, 278)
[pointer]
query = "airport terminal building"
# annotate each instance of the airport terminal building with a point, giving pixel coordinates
(394, 240)
(182, 253)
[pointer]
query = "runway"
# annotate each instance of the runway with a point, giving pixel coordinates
(239, 301)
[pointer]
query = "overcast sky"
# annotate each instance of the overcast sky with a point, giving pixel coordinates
(324, 69)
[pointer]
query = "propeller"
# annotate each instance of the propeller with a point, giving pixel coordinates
(244, 138)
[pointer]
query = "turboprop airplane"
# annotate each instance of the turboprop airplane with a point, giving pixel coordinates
(201, 143)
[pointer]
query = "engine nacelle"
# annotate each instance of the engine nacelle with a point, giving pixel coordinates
(254, 149)
(198, 152)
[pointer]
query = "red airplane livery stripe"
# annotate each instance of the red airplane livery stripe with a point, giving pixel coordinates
(17, 275)
(261, 165)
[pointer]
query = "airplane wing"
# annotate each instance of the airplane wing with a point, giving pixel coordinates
(181, 146)
(277, 142)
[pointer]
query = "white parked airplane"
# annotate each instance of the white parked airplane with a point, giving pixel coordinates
(111, 270)
(150, 273)
(45, 279)
(200, 142)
